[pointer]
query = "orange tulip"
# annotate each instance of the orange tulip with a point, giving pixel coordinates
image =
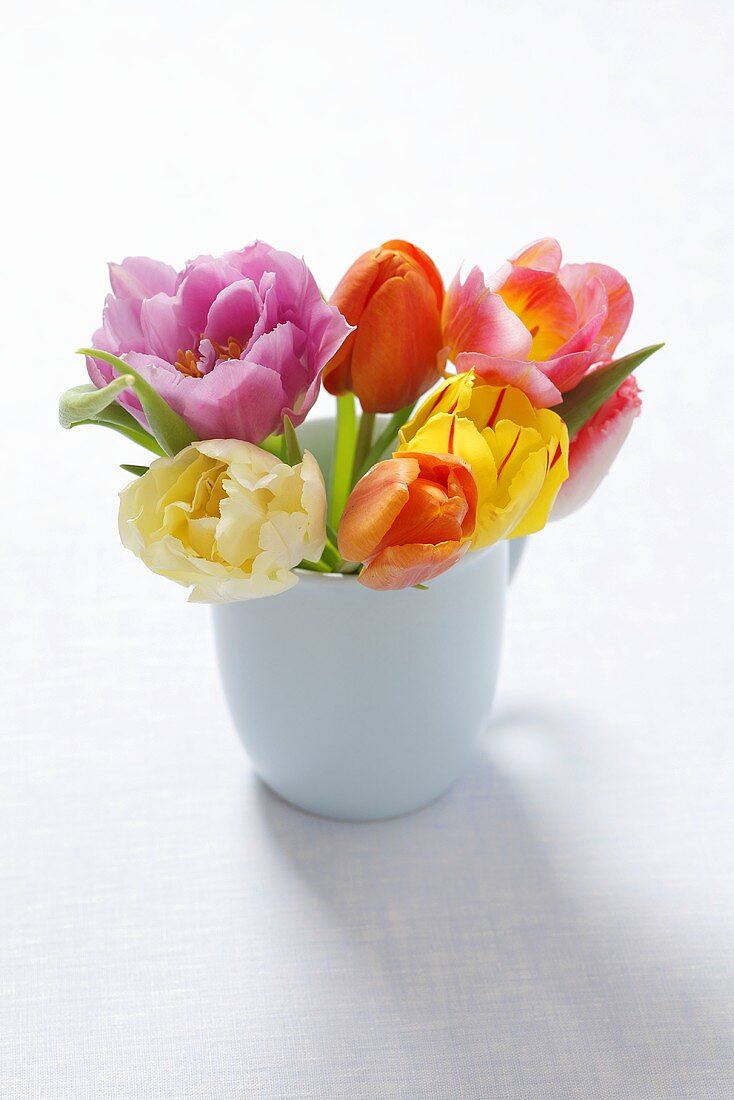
(394, 296)
(409, 519)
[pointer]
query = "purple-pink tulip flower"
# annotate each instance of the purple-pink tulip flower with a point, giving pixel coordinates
(233, 344)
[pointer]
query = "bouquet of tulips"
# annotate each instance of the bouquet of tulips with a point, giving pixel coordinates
(464, 415)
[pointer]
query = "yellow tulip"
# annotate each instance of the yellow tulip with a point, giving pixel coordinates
(226, 519)
(517, 453)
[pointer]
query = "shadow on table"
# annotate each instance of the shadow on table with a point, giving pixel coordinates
(477, 921)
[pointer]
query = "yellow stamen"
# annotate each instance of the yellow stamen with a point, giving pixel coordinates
(233, 349)
(188, 364)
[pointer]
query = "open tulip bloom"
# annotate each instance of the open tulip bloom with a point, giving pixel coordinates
(464, 415)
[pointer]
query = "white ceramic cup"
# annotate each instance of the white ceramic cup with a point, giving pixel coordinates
(358, 704)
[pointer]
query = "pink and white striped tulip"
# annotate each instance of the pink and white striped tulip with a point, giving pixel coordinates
(595, 447)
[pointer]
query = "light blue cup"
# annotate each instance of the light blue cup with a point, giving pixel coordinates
(357, 704)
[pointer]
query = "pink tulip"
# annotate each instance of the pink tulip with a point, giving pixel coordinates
(537, 325)
(233, 344)
(595, 447)
(541, 327)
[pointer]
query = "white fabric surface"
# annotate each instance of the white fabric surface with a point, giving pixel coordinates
(559, 927)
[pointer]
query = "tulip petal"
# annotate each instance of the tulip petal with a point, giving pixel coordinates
(525, 375)
(398, 567)
(350, 298)
(423, 260)
(201, 285)
(542, 255)
(139, 277)
(536, 517)
(121, 321)
(234, 313)
(477, 320)
(401, 326)
(543, 305)
(566, 371)
(375, 503)
(596, 446)
(619, 301)
(165, 334)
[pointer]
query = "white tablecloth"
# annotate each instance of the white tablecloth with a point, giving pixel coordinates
(560, 926)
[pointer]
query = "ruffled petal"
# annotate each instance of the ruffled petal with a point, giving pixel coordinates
(596, 446)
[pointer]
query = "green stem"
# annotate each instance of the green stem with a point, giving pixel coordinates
(332, 557)
(385, 439)
(364, 442)
(341, 476)
(315, 567)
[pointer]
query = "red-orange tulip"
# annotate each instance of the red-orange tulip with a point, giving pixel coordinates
(394, 296)
(409, 519)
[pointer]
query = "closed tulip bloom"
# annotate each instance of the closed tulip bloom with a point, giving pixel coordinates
(409, 519)
(517, 453)
(393, 295)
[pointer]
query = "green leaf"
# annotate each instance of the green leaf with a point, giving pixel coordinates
(421, 587)
(341, 476)
(293, 453)
(171, 430)
(137, 470)
(384, 441)
(86, 402)
(88, 405)
(580, 404)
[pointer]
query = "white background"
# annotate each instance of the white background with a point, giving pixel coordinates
(560, 926)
